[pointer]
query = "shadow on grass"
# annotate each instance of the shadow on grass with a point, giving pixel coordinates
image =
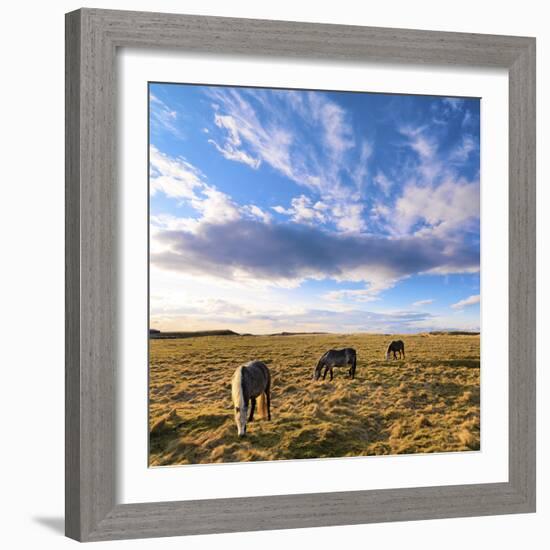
(204, 422)
(425, 363)
(467, 363)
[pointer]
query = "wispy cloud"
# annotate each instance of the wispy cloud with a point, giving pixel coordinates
(268, 127)
(231, 152)
(423, 302)
(470, 301)
(163, 117)
(382, 182)
(175, 177)
(211, 314)
(420, 142)
(434, 197)
(442, 209)
(303, 210)
(455, 103)
(368, 294)
(178, 179)
(467, 146)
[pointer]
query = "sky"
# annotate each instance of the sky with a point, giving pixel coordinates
(293, 210)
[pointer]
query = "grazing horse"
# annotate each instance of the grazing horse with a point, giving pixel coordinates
(249, 382)
(394, 347)
(336, 358)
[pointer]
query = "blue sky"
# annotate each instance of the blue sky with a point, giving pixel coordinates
(288, 210)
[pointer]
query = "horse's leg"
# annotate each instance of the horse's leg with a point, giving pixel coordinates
(268, 402)
(252, 407)
(325, 373)
(331, 373)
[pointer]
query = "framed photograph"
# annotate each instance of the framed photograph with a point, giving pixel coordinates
(300, 275)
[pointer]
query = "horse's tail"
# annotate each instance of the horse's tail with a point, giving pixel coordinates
(354, 365)
(261, 403)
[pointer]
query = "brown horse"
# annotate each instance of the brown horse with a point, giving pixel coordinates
(397, 346)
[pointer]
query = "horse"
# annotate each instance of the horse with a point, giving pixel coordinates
(336, 358)
(394, 347)
(250, 382)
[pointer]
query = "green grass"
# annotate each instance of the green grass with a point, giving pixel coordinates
(427, 403)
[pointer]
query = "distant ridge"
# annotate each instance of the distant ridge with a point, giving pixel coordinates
(454, 333)
(158, 335)
(295, 333)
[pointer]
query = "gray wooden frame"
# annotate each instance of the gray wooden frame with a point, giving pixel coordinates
(92, 39)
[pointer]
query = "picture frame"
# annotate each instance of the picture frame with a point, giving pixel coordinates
(92, 39)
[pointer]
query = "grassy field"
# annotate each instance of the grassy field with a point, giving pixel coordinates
(427, 403)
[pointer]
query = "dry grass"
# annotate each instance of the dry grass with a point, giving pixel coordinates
(424, 404)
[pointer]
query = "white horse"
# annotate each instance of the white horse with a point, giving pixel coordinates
(250, 382)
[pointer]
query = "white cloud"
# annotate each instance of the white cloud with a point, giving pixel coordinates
(423, 302)
(383, 183)
(276, 138)
(176, 178)
(348, 217)
(226, 315)
(256, 212)
(423, 145)
(368, 294)
(282, 210)
(162, 116)
(231, 152)
(217, 208)
(361, 171)
(462, 151)
(246, 139)
(471, 300)
(443, 208)
(337, 134)
(455, 103)
(303, 211)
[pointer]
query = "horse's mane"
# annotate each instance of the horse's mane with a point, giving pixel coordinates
(237, 387)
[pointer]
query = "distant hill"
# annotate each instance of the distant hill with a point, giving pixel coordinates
(453, 333)
(294, 333)
(158, 335)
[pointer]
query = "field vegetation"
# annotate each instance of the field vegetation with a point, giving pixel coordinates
(426, 403)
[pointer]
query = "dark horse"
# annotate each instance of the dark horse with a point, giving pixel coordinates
(336, 358)
(249, 382)
(394, 347)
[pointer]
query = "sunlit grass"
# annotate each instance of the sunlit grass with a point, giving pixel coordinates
(427, 403)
